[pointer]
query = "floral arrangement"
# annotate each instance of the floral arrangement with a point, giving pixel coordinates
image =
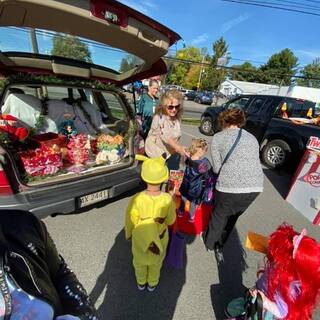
(111, 148)
(77, 152)
(110, 156)
(9, 125)
(107, 142)
(41, 161)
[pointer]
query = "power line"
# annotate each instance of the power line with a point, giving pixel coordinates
(207, 65)
(106, 47)
(314, 1)
(281, 3)
(271, 6)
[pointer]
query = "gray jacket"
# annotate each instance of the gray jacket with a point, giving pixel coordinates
(242, 173)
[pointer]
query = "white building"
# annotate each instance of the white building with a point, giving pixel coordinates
(233, 87)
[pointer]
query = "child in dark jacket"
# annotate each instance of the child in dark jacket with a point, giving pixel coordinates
(197, 172)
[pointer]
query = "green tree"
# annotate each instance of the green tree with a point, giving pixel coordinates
(70, 47)
(192, 77)
(311, 70)
(214, 75)
(279, 69)
(129, 62)
(244, 72)
(178, 71)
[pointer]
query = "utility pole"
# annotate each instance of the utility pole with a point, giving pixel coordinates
(33, 38)
(201, 71)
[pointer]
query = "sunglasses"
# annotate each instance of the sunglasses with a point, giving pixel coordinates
(173, 107)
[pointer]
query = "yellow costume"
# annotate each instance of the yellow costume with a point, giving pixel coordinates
(141, 225)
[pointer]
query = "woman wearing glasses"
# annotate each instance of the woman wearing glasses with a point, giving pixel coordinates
(165, 131)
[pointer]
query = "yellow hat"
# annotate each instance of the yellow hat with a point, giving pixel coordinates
(154, 170)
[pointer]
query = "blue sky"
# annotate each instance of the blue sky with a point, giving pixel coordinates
(252, 33)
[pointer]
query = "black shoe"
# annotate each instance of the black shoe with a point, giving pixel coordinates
(219, 255)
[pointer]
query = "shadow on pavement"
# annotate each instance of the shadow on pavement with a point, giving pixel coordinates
(230, 276)
(122, 300)
(280, 179)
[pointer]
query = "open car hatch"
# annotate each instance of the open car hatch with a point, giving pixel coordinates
(107, 22)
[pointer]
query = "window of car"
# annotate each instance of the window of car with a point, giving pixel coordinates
(317, 109)
(239, 103)
(256, 105)
(297, 108)
(114, 105)
(61, 92)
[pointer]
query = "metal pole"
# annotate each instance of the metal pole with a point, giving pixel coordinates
(33, 38)
(201, 70)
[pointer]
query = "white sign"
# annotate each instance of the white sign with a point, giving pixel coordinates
(314, 144)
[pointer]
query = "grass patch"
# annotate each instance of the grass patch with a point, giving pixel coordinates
(191, 121)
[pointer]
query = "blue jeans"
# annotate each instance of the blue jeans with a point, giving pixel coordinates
(192, 209)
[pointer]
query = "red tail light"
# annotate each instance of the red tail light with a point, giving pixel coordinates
(5, 188)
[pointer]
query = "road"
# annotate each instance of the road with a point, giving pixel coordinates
(93, 244)
(193, 110)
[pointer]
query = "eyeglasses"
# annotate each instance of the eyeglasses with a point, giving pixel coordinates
(173, 107)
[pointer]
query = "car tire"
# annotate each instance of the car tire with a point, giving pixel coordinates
(275, 154)
(206, 126)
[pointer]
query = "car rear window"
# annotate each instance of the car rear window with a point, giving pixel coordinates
(299, 108)
(52, 43)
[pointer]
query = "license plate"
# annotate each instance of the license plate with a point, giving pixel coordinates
(93, 198)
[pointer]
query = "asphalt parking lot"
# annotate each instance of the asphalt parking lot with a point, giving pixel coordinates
(94, 246)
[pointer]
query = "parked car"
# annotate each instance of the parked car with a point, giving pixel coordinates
(190, 95)
(81, 144)
(281, 140)
(204, 98)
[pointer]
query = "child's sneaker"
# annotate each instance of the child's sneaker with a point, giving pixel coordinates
(150, 288)
(141, 287)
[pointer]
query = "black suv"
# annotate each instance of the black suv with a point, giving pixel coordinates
(280, 139)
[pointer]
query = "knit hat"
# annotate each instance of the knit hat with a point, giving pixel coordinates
(154, 170)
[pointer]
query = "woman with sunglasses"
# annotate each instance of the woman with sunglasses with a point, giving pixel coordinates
(165, 131)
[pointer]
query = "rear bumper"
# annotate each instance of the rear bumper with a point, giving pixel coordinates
(63, 198)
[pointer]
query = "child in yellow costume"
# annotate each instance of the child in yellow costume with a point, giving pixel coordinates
(147, 218)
